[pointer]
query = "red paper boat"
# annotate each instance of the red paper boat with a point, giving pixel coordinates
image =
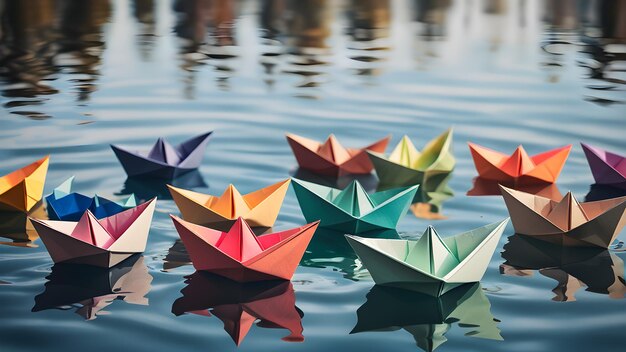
(242, 256)
(519, 167)
(331, 158)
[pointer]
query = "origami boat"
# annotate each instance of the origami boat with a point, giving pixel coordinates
(607, 168)
(22, 189)
(269, 304)
(16, 226)
(600, 270)
(103, 242)
(352, 210)
(95, 288)
(431, 265)
(63, 204)
(164, 160)
(566, 222)
(428, 318)
(519, 167)
(259, 208)
(331, 158)
(406, 166)
(242, 256)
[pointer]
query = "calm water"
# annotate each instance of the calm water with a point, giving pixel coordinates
(78, 75)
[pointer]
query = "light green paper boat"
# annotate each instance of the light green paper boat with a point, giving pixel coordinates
(352, 210)
(407, 166)
(431, 265)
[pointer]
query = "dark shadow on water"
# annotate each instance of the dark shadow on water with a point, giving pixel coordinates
(271, 304)
(602, 192)
(483, 187)
(428, 318)
(89, 289)
(329, 249)
(147, 188)
(369, 181)
(17, 227)
(600, 270)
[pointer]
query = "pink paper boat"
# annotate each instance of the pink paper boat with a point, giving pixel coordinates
(242, 256)
(104, 243)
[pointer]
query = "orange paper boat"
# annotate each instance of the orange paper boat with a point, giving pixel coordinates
(104, 243)
(331, 158)
(242, 256)
(519, 167)
(22, 189)
(259, 208)
(566, 222)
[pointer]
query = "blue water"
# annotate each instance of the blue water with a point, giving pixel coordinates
(77, 76)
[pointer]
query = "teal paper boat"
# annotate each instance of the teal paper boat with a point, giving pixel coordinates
(352, 210)
(432, 265)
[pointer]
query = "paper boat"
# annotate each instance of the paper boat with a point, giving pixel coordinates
(607, 168)
(103, 242)
(269, 304)
(519, 167)
(431, 265)
(259, 208)
(164, 160)
(406, 166)
(63, 204)
(16, 226)
(95, 288)
(331, 158)
(428, 318)
(352, 210)
(22, 189)
(600, 270)
(566, 222)
(242, 256)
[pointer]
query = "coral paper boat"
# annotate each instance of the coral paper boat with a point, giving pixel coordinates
(164, 160)
(607, 168)
(406, 166)
(566, 222)
(331, 158)
(519, 167)
(431, 265)
(259, 208)
(352, 210)
(63, 204)
(242, 256)
(22, 189)
(104, 243)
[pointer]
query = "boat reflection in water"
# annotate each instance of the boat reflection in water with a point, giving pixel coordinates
(428, 318)
(484, 187)
(271, 304)
(17, 227)
(329, 249)
(600, 270)
(90, 289)
(148, 188)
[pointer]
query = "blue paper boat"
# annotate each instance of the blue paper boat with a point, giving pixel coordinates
(164, 160)
(65, 205)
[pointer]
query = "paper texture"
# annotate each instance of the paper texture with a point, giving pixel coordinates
(607, 168)
(63, 204)
(353, 210)
(406, 166)
(22, 189)
(432, 265)
(259, 208)
(267, 304)
(164, 160)
(566, 222)
(331, 158)
(103, 242)
(519, 167)
(242, 256)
